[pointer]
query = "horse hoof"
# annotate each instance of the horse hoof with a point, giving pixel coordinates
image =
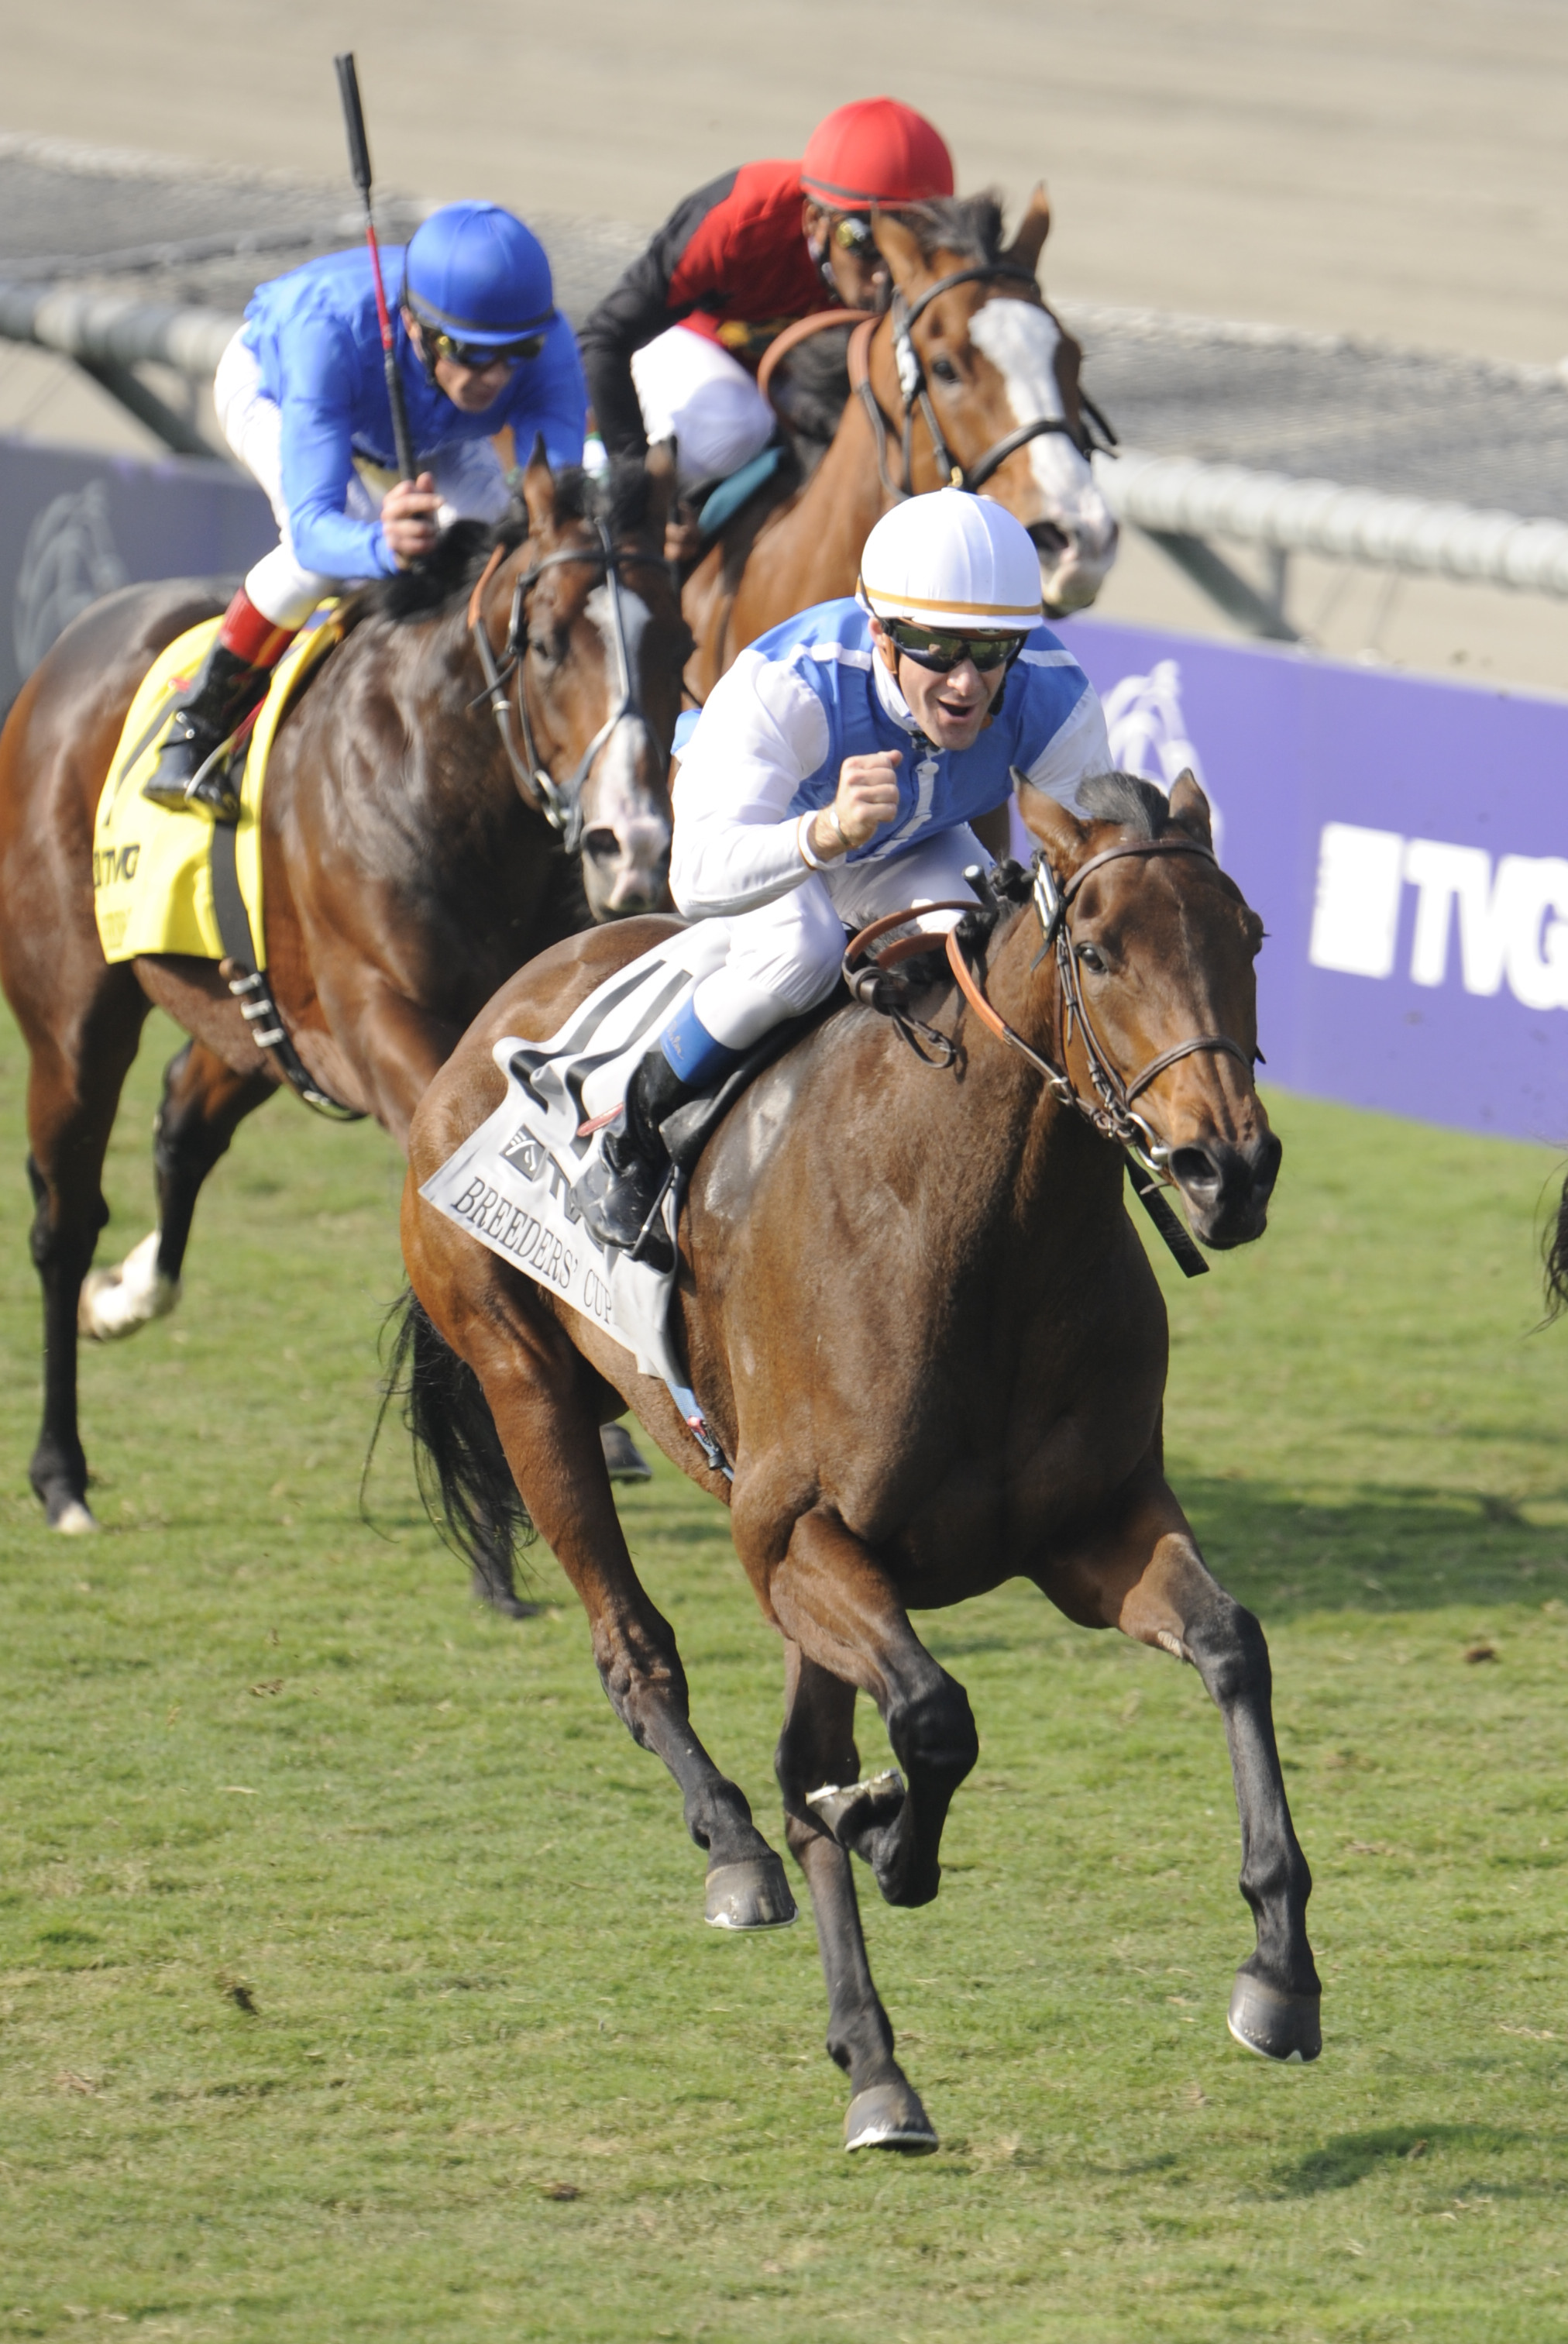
(1273, 2024)
(74, 1520)
(624, 1460)
(751, 1895)
(888, 2115)
(114, 1302)
(850, 1810)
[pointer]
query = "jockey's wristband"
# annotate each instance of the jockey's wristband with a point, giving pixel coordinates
(812, 861)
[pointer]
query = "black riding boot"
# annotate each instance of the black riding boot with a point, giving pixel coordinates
(614, 1197)
(224, 689)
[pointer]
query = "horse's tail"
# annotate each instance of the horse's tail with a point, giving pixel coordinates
(464, 1478)
(1557, 1259)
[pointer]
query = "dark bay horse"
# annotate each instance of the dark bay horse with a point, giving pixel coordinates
(408, 869)
(989, 389)
(921, 1325)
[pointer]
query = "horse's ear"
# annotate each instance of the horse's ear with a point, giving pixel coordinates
(1190, 809)
(660, 469)
(1054, 827)
(898, 246)
(539, 489)
(1028, 243)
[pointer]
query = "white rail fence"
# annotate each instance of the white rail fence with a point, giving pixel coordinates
(1180, 502)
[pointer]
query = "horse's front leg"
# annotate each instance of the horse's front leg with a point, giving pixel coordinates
(1145, 1575)
(832, 1597)
(816, 1747)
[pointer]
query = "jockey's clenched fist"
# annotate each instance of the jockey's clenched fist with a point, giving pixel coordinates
(867, 802)
(408, 518)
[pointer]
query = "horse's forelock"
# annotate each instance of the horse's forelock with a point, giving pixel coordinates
(968, 227)
(1126, 799)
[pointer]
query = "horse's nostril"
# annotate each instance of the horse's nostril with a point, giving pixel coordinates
(1195, 1170)
(602, 844)
(1266, 1165)
(1048, 538)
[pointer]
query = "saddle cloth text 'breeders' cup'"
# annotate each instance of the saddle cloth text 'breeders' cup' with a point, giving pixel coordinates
(152, 865)
(509, 1184)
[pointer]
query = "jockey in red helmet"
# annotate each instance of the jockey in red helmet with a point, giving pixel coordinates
(673, 351)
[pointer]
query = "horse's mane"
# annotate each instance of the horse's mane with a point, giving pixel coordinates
(448, 573)
(969, 225)
(1127, 799)
(811, 386)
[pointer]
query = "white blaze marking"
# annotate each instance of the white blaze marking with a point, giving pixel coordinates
(621, 799)
(1021, 340)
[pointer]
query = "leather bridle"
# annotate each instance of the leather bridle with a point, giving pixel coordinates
(917, 398)
(1111, 1111)
(559, 802)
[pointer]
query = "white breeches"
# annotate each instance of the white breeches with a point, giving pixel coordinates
(692, 391)
(467, 474)
(784, 957)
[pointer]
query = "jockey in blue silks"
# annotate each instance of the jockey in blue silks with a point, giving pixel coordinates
(832, 777)
(301, 395)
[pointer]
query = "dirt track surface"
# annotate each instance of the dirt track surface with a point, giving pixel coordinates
(1391, 169)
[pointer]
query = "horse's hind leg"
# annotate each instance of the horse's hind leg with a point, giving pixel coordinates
(817, 1747)
(1146, 1576)
(203, 1106)
(74, 1089)
(542, 1398)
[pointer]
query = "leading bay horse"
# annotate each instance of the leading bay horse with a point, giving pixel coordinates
(921, 1326)
(968, 377)
(409, 865)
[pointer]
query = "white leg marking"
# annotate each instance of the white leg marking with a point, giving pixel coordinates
(116, 1302)
(76, 1521)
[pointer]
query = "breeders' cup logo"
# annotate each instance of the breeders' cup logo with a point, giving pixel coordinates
(526, 1153)
(1148, 733)
(69, 559)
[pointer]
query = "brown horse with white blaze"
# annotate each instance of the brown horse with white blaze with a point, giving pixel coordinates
(919, 1321)
(969, 376)
(409, 865)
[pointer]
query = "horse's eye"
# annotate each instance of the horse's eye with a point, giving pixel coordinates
(1090, 959)
(543, 647)
(944, 371)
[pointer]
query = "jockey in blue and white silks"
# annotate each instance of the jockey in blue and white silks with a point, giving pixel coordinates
(301, 396)
(833, 776)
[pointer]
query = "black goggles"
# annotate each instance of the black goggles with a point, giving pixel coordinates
(479, 356)
(939, 649)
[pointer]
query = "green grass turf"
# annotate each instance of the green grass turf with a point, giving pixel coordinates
(341, 1925)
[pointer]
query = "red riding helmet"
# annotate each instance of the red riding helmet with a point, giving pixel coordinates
(875, 151)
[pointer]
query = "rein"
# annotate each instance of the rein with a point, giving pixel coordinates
(917, 395)
(561, 804)
(1110, 1112)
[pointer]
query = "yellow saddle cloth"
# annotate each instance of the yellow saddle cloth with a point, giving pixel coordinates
(152, 865)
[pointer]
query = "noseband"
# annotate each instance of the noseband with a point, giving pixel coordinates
(561, 803)
(916, 393)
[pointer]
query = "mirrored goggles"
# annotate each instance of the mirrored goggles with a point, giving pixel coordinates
(853, 233)
(478, 357)
(937, 647)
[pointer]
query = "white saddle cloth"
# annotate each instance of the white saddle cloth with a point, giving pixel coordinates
(509, 1185)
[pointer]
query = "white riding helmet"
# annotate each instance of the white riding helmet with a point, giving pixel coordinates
(953, 559)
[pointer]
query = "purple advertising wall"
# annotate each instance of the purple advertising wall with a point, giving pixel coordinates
(1406, 842)
(76, 524)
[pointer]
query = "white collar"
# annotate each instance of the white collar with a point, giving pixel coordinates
(893, 703)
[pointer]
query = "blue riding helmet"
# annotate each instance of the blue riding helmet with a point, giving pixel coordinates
(477, 274)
